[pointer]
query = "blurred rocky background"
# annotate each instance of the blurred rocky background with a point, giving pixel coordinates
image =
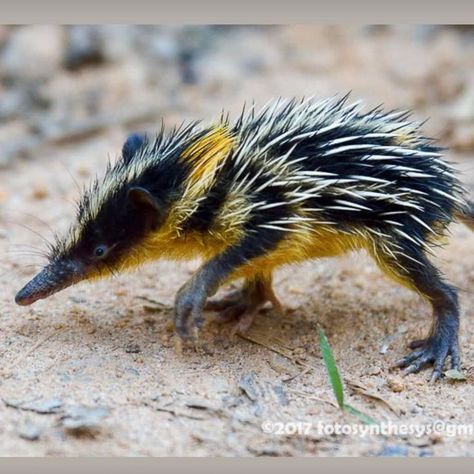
(63, 83)
(94, 370)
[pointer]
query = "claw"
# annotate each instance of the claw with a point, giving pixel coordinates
(416, 366)
(455, 362)
(198, 320)
(435, 376)
(407, 360)
(183, 332)
(433, 350)
(188, 306)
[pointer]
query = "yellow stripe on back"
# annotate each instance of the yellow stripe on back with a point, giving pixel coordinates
(205, 156)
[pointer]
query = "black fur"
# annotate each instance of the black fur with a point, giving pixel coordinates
(121, 222)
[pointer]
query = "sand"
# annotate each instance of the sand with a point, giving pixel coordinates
(108, 345)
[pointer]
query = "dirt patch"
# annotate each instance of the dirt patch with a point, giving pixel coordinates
(94, 370)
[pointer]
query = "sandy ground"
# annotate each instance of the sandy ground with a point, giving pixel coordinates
(104, 353)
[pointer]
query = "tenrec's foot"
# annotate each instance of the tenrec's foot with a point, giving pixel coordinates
(431, 351)
(243, 305)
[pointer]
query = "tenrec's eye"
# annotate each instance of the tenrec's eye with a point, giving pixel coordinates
(100, 251)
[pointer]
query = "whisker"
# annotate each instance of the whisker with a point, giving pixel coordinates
(29, 248)
(29, 216)
(73, 179)
(35, 232)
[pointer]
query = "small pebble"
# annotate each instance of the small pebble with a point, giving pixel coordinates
(420, 442)
(40, 192)
(78, 417)
(396, 384)
(435, 438)
(393, 451)
(30, 432)
(425, 453)
(373, 370)
(132, 348)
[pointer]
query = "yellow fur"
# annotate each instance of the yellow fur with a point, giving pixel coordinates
(296, 248)
(301, 246)
(205, 156)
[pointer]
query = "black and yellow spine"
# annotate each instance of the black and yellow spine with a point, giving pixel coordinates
(293, 181)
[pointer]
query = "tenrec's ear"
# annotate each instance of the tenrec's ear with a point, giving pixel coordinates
(141, 197)
(134, 142)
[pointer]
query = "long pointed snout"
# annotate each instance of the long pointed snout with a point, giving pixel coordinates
(53, 278)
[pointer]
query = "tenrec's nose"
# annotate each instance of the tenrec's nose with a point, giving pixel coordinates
(23, 297)
(40, 286)
(50, 280)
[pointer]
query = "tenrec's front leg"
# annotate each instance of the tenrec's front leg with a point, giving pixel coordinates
(191, 298)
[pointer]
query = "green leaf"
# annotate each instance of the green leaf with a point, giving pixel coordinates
(366, 419)
(336, 381)
(331, 368)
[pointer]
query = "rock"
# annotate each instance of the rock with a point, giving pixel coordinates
(281, 396)
(242, 415)
(32, 52)
(248, 385)
(202, 404)
(80, 417)
(393, 450)
(231, 402)
(30, 432)
(455, 375)
(282, 365)
(44, 407)
(425, 453)
(396, 384)
(420, 442)
(84, 47)
(77, 299)
(373, 370)
(132, 348)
